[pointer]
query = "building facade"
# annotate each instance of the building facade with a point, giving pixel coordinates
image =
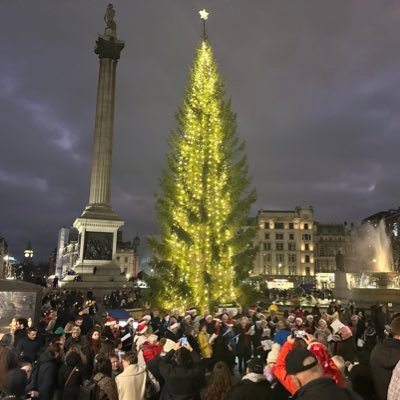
(334, 248)
(286, 244)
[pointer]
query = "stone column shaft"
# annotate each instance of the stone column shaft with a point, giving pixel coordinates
(100, 183)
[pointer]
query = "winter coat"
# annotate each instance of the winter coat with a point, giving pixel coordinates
(205, 346)
(221, 352)
(244, 340)
(47, 374)
(252, 387)
(383, 360)
(361, 380)
(346, 349)
(324, 388)
(281, 336)
(70, 389)
(28, 349)
(131, 383)
(181, 383)
(107, 386)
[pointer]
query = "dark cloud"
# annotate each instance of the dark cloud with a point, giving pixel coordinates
(316, 85)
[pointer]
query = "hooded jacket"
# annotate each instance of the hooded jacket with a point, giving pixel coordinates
(383, 360)
(131, 383)
(252, 387)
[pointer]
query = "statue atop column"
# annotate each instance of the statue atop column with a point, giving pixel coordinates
(109, 19)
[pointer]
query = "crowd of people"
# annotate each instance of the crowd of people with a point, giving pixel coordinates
(73, 352)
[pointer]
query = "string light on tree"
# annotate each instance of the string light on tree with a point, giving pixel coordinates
(204, 201)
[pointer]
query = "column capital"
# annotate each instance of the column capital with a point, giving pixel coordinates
(109, 47)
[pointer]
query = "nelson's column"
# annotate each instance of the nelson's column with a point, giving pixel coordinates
(98, 224)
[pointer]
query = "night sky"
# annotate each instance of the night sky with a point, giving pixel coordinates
(315, 84)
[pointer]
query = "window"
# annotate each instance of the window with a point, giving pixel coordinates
(279, 225)
(267, 246)
(279, 236)
(266, 225)
(292, 246)
(292, 258)
(305, 226)
(268, 269)
(292, 270)
(308, 271)
(118, 258)
(307, 247)
(307, 259)
(267, 258)
(266, 236)
(280, 258)
(291, 236)
(306, 236)
(291, 225)
(126, 259)
(279, 246)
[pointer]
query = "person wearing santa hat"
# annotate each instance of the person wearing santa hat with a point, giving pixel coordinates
(143, 334)
(298, 324)
(111, 328)
(172, 332)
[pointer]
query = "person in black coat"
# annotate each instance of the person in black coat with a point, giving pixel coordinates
(71, 376)
(15, 382)
(384, 358)
(361, 378)
(28, 347)
(254, 385)
(47, 369)
(21, 330)
(221, 352)
(183, 374)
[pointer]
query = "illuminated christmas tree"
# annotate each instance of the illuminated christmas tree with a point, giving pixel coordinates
(203, 251)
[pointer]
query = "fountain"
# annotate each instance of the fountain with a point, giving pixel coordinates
(375, 280)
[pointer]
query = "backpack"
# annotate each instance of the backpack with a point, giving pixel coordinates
(89, 390)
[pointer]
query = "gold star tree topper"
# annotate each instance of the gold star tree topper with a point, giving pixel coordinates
(203, 14)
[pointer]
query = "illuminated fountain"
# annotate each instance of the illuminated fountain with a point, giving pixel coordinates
(375, 280)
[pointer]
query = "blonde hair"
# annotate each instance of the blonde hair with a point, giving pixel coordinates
(68, 327)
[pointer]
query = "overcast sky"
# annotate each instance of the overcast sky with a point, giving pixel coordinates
(315, 84)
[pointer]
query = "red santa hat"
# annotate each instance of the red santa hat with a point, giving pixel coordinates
(142, 328)
(216, 319)
(252, 310)
(324, 359)
(191, 310)
(298, 319)
(110, 321)
(146, 318)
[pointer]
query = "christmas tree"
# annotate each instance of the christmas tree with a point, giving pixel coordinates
(204, 251)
